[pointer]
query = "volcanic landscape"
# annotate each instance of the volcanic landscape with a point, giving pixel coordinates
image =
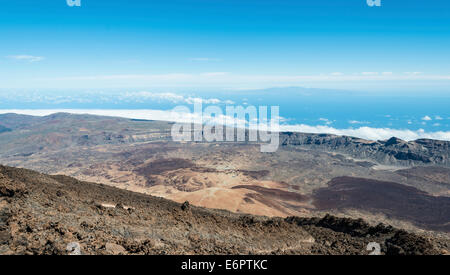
(399, 183)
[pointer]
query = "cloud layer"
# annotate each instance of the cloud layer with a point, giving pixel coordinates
(172, 97)
(361, 132)
(29, 58)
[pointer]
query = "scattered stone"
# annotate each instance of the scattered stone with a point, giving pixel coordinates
(114, 249)
(185, 206)
(5, 237)
(73, 249)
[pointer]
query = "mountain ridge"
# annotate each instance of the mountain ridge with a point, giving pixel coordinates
(393, 151)
(389, 152)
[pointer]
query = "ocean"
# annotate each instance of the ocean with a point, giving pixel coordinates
(368, 115)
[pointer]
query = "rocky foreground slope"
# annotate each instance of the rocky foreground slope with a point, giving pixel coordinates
(41, 214)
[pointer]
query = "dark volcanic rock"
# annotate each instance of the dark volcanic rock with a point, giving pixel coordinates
(185, 206)
(334, 233)
(40, 222)
(403, 243)
(392, 199)
(393, 151)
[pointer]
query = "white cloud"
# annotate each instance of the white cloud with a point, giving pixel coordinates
(193, 100)
(369, 132)
(29, 58)
(358, 122)
(326, 120)
(438, 118)
(172, 97)
(144, 95)
(427, 118)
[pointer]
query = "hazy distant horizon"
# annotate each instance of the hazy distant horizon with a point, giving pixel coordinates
(338, 66)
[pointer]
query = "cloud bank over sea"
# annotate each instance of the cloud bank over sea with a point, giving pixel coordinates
(365, 132)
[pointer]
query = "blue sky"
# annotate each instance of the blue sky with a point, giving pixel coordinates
(401, 46)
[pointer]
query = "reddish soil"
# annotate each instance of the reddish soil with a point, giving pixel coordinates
(274, 193)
